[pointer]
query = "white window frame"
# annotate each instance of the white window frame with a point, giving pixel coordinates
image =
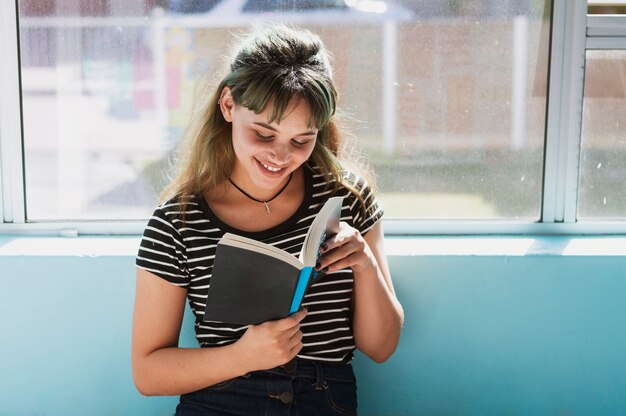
(11, 166)
(572, 33)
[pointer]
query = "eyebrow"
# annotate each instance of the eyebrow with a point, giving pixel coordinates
(267, 126)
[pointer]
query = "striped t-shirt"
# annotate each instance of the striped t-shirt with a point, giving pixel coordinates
(183, 255)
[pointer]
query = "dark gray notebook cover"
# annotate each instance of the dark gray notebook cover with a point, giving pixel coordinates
(249, 287)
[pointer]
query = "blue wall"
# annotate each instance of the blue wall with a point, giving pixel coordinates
(502, 335)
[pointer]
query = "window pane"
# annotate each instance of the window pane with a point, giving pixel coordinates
(606, 7)
(603, 150)
(93, 138)
(447, 98)
(469, 114)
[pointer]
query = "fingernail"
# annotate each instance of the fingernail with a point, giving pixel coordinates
(324, 246)
(325, 269)
(317, 265)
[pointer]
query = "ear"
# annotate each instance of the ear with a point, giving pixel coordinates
(226, 104)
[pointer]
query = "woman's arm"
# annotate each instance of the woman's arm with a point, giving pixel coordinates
(161, 368)
(378, 316)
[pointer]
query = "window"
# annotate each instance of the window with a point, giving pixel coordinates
(603, 139)
(468, 115)
(603, 157)
(93, 134)
(452, 102)
(606, 7)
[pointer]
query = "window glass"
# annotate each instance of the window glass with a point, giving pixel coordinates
(606, 7)
(446, 98)
(469, 114)
(603, 151)
(93, 138)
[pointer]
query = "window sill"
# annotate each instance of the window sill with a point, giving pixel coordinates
(395, 246)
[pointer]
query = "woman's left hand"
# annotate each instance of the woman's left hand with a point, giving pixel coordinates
(347, 249)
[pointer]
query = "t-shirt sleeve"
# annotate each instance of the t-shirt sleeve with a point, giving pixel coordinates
(363, 219)
(162, 251)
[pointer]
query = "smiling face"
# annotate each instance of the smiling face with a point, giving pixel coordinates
(267, 153)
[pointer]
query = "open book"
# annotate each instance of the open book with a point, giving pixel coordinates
(254, 282)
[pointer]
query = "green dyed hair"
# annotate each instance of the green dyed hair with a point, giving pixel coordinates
(277, 65)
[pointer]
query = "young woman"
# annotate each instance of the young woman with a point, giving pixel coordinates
(264, 155)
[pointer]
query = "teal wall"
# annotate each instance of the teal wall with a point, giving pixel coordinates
(484, 335)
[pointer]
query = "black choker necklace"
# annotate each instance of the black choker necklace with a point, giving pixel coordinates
(267, 207)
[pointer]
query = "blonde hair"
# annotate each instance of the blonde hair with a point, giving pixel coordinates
(277, 65)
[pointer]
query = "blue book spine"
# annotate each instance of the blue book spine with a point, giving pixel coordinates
(303, 280)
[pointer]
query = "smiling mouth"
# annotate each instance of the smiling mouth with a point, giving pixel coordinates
(270, 168)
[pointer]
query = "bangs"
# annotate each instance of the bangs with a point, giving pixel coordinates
(281, 89)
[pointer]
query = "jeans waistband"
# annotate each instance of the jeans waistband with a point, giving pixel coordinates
(299, 368)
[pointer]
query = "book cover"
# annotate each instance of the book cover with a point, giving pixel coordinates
(255, 282)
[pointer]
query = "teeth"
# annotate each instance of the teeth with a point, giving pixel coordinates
(271, 169)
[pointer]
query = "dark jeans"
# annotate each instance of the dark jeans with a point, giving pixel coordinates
(298, 388)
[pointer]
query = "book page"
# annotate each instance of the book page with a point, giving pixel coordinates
(235, 240)
(325, 224)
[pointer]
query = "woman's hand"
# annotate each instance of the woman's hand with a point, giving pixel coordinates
(377, 315)
(347, 249)
(272, 343)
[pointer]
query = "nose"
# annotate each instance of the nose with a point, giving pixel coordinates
(280, 154)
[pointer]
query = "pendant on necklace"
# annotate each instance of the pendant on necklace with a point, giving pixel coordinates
(267, 207)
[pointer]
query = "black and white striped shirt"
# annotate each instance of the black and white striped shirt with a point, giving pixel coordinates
(183, 255)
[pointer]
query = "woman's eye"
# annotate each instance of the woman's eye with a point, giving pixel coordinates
(299, 144)
(264, 138)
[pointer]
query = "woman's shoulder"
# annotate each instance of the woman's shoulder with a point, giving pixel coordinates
(179, 204)
(355, 180)
(363, 208)
(173, 213)
(348, 178)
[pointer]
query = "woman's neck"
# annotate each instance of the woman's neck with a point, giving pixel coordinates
(264, 195)
(240, 212)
